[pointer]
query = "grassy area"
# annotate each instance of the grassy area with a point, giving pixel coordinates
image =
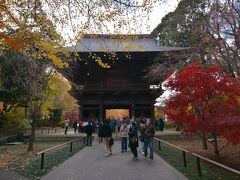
(16, 158)
(51, 160)
(178, 137)
(175, 158)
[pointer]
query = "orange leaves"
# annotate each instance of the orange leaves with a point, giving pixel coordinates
(206, 39)
(16, 44)
(26, 28)
(117, 113)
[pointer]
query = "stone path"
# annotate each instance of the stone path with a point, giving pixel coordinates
(71, 133)
(90, 164)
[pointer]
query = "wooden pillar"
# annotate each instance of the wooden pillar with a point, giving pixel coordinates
(152, 113)
(133, 105)
(133, 111)
(101, 112)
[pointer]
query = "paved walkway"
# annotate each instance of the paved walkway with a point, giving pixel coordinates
(90, 164)
(71, 133)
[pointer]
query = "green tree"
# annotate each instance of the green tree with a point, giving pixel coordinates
(184, 27)
(59, 95)
(210, 28)
(13, 93)
(30, 78)
(55, 116)
(178, 28)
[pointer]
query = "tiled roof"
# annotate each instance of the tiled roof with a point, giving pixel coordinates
(119, 43)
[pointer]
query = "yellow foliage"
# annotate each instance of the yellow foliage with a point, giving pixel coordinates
(60, 96)
(158, 113)
(189, 108)
(34, 27)
(117, 113)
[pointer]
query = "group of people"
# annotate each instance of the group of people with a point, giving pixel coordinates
(130, 134)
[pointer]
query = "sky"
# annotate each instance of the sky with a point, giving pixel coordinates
(144, 26)
(159, 12)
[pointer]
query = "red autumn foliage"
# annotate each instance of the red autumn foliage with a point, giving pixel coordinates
(207, 102)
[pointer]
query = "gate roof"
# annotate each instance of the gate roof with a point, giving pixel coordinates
(119, 43)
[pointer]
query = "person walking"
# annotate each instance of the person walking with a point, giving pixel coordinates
(142, 128)
(66, 124)
(89, 131)
(149, 133)
(161, 124)
(123, 135)
(99, 127)
(111, 143)
(106, 133)
(118, 128)
(75, 126)
(133, 140)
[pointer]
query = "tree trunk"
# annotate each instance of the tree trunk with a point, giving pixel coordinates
(204, 142)
(31, 139)
(32, 135)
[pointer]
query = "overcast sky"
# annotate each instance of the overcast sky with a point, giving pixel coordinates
(142, 27)
(155, 18)
(160, 11)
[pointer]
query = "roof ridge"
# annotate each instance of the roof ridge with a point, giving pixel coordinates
(118, 36)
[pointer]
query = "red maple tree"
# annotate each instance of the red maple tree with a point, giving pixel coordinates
(207, 102)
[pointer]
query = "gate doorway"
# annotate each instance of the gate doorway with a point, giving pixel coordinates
(118, 114)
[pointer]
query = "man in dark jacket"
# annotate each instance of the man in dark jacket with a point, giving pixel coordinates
(142, 129)
(89, 131)
(133, 140)
(75, 126)
(149, 133)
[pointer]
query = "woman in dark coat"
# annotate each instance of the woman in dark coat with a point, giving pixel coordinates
(133, 140)
(106, 133)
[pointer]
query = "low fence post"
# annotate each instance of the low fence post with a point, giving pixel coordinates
(42, 160)
(71, 146)
(159, 146)
(41, 130)
(198, 158)
(61, 145)
(55, 130)
(198, 166)
(184, 159)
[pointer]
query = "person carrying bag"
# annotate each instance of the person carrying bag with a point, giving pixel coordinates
(133, 140)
